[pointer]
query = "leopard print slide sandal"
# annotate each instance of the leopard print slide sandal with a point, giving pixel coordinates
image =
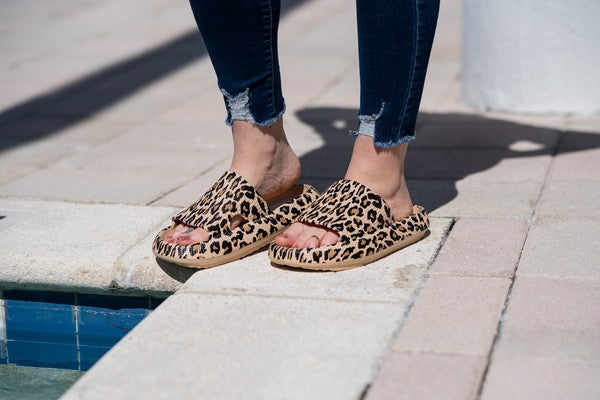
(232, 196)
(365, 225)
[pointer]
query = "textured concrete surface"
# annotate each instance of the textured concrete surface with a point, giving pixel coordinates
(50, 245)
(472, 247)
(454, 315)
(392, 279)
(576, 255)
(251, 347)
(107, 129)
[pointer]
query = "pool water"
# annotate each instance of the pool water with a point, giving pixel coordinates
(49, 339)
(34, 383)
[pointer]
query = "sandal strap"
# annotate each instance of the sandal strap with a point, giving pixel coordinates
(347, 203)
(230, 195)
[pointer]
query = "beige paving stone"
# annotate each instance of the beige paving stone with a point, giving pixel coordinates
(206, 106)
(457, 315)
(554, 122)
(34, 155)
(271, 347)
(491, 164)
(392, 279)
(94, 186)
(584, 124)
(563, 199)
(74, 245)
(485, 131)
(189, 192)
(482, 247)
(562, 248)
(427, 376)
(7, 174)
(552, 318)
(475, 198)
(529, 378)
(164, 149)
(582, 165)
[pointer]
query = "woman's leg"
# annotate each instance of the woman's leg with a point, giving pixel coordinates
(241, 39)
(395, 38)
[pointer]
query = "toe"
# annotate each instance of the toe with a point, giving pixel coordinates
(195, 236)
(289, 236)
(309, 234)
(172, 234)
(329, 238)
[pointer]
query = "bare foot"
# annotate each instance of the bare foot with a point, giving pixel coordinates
(381, 170)
(263, 156)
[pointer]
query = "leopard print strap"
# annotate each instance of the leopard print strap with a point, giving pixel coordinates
(231, 195)
(348, 206)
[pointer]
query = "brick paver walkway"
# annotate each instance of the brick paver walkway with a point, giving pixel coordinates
(111, 108)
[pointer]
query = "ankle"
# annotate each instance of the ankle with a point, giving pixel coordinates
(382, 171)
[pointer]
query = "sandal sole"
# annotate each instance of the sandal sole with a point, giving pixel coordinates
(349, 264)
(204, 263)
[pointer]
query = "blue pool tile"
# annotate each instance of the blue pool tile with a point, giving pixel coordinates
(88, 355)
(40, 322)
(112, 302)
(101, 327)
(38, 354)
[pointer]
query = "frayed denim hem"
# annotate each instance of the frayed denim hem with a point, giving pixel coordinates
(239, 109)
(367, 128)
(392, 143)
(389, 143)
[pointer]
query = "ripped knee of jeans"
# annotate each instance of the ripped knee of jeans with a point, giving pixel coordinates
(367, 123)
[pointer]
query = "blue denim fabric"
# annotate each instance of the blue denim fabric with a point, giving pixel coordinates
(394, 44)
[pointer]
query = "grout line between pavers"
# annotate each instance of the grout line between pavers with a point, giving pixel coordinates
(513, 278)
(407, 309)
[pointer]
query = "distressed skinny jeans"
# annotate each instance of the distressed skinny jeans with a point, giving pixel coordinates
(394, 44)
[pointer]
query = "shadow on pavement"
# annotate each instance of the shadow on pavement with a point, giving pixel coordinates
(27, 121)
(448, 148)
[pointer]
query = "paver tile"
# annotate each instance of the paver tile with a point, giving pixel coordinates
(482, 247)
(475, 198)
(480, 131)
(552, 318)
(564, 199)
(530, 378)
(489, 165)
(562, 248)
(582, 165)
(584, 124)
(93, 185)
(190, 191)
(428, 376)
(457, 315)
(271, 347)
